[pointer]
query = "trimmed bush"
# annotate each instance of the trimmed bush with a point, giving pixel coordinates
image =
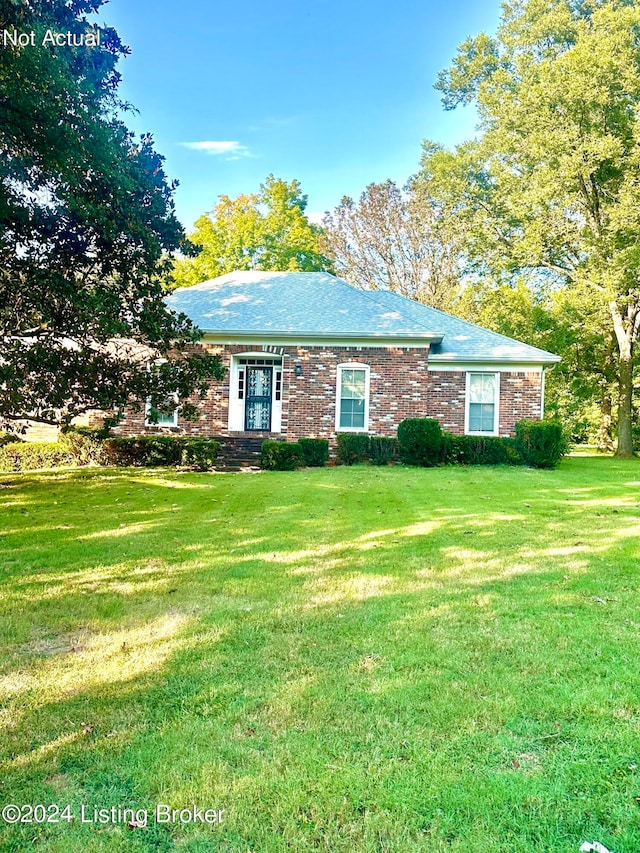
(83, 448)
(420, 440)
(200, 453)
(144, 451)
(315, 451)
(479, 450)
(383, 450)
(352, 447)
(28, 455)
(281, 455)
(540, 443)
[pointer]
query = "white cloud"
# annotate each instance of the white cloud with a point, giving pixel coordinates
(315, 217)
(228, 149)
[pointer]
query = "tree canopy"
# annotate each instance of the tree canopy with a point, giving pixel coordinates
(267, 230)
(398, 240)
(550, 186)
(86, 225)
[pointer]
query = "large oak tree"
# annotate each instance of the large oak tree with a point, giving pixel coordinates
(87, 223)
(551, 185)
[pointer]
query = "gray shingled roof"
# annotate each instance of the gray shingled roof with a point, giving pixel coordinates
(320, 305)
(462, 340)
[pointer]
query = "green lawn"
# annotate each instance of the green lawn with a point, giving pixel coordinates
(349, 659)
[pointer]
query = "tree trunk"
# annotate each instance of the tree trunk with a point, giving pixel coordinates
(625, 333)
(625, 407)
(605, 432)
(605, 436)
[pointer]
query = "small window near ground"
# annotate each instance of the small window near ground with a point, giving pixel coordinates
(353, 398)
(482, 403)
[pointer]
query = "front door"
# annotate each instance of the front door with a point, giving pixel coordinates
(257, 413)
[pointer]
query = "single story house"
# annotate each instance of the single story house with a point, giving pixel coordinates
(309, 355)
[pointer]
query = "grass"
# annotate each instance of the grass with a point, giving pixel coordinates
(350, 659)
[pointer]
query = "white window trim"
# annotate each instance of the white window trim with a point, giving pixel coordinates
(353, 365)
(148, 406)
(148, 423)
(467, 401)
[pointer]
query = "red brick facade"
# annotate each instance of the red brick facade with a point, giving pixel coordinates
(400, 387)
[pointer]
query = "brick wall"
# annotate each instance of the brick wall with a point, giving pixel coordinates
(400, 387)
(519, 398)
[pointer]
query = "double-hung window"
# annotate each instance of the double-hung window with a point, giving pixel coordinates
(152, 416)
(352, 398)
(483, 390)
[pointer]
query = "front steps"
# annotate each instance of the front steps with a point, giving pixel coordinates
(238, 452)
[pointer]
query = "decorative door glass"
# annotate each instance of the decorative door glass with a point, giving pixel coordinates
(258, 400)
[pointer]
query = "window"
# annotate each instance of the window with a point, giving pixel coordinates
(482, 403)
(152, 417)
(352, 398)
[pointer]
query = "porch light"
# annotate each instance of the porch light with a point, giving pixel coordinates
(298, 370)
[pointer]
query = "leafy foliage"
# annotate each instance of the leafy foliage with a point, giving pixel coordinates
(383, 450)
(87, 223)
(420, 440)
(549, 188)
(281, 455)
(540, 443)
(268, 230)
(352, 447)
(29, 456)
(315, 451)
(8, 438)
(199, 453)
(143, 451)
(82, 448)
(479, 450)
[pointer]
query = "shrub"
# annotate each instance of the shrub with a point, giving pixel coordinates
(83, 448)
(95, 432)
(144, 451)
(281, 455)
(199, 453)
(352, 447)
(447, 447)
(27, 455)
(540, 443)
(382, 450)
(315, 451)
(8, 438)
(480, 450)
(420, 440)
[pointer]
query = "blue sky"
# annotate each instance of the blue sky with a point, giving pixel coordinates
(335, 93)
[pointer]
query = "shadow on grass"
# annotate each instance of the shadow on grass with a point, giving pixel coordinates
(375, 665)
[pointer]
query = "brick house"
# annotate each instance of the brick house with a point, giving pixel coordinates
(308, 355)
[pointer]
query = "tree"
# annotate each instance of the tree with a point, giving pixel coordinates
(268, 230)
(86, 223)
(550, 187)
(396, 240)
(578, 388)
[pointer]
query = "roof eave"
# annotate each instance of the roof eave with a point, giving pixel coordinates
(548, 358)
(381, 339)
